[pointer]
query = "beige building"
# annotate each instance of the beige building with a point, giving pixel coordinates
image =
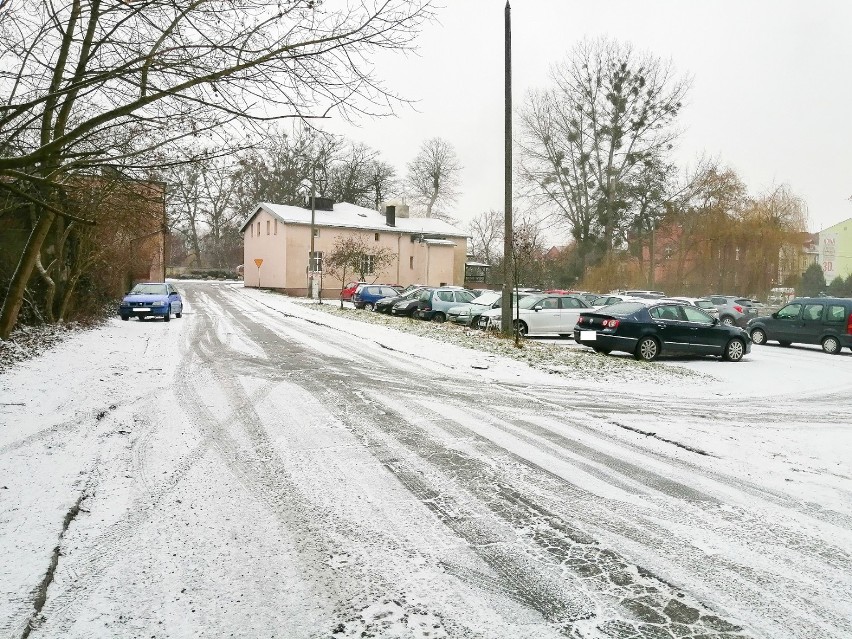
(277, 240)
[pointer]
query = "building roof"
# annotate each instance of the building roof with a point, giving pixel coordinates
(351, 216)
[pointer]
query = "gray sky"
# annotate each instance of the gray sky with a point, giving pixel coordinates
(771, 89)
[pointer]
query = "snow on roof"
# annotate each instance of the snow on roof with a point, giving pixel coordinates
(351, 216)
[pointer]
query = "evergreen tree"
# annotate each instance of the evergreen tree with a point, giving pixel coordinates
(813, 281)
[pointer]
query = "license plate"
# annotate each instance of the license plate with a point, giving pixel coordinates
(140, 310)
(588, 336)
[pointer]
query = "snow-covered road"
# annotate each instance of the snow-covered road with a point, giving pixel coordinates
(260, 468)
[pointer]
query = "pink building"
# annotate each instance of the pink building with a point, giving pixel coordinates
(278, 238)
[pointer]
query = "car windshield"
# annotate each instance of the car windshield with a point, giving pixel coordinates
(622, 309)
(705, 304)
(149, 289)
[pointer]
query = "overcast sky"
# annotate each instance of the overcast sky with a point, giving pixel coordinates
(771, 92)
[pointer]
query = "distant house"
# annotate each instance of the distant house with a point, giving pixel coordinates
(277, 240)
(835, 250)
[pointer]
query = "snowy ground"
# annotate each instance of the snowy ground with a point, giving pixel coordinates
(264, 467)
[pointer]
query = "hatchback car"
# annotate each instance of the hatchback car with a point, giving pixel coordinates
(469, 314)
(349, 290)
(386, 304)
(539, 314)
(807, 320)
(151, 299)
(434, 303)
(648, 330)
(733, 310)
(366, 296)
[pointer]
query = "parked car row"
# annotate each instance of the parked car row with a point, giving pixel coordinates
(639, 322)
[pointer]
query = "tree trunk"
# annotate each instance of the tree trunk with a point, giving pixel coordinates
(21, 277)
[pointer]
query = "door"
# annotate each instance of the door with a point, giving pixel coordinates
(783, 326)
(811, 325)
(672, 329)
(546, 318)
(704, 337)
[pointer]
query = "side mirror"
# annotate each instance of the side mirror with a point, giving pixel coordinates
(537, 308)
(775, 315)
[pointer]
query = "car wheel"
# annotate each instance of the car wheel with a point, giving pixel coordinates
(601, 349)
(647, 349)
(124, 317)
(168, 316)
(728, 321)
(734, 351)
(784, 343)
(521, 328)
(439, 318)
(178, 315)
(368, 306)
(758, 336)
(831, 345)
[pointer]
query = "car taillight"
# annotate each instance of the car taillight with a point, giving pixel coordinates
(582, 320)
(613, 323)
(849, 324)
(738, 309)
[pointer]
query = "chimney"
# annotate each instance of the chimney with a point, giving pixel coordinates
(390, 215)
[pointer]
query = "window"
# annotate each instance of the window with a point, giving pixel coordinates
(835, 314)
(377, 237)
(316, 232)
(316, 261)
(695, 315)
(550, 303)
(571, 302)
(258, 229)
(367, 264)
(665, 313)
(446, 296)
(411, 262)
(464, 297)
(791, 311)
(276, 226)
(268, 226)
(251, 230)
(812, 312)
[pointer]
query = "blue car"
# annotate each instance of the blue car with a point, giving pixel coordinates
(367, 296)
(151, 299)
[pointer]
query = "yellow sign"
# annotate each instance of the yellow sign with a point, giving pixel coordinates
(258, 261)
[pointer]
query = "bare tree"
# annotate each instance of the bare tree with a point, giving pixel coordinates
(433, 177)
(486, 235)
(353, 254)
(87, 84)
(588, 139)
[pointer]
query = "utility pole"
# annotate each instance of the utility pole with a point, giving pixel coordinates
(506, 315)
(313, 222)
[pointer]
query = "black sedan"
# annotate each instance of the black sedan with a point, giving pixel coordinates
(647, 330)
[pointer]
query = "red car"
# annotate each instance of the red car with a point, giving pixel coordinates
(349, 290)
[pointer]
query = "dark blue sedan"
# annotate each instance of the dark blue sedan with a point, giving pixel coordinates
(151, 299)
(666, 327)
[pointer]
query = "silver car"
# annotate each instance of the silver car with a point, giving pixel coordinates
(733, 310)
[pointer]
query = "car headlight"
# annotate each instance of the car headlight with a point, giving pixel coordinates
(158, 304)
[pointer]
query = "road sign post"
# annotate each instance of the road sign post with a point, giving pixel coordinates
(258, 261)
